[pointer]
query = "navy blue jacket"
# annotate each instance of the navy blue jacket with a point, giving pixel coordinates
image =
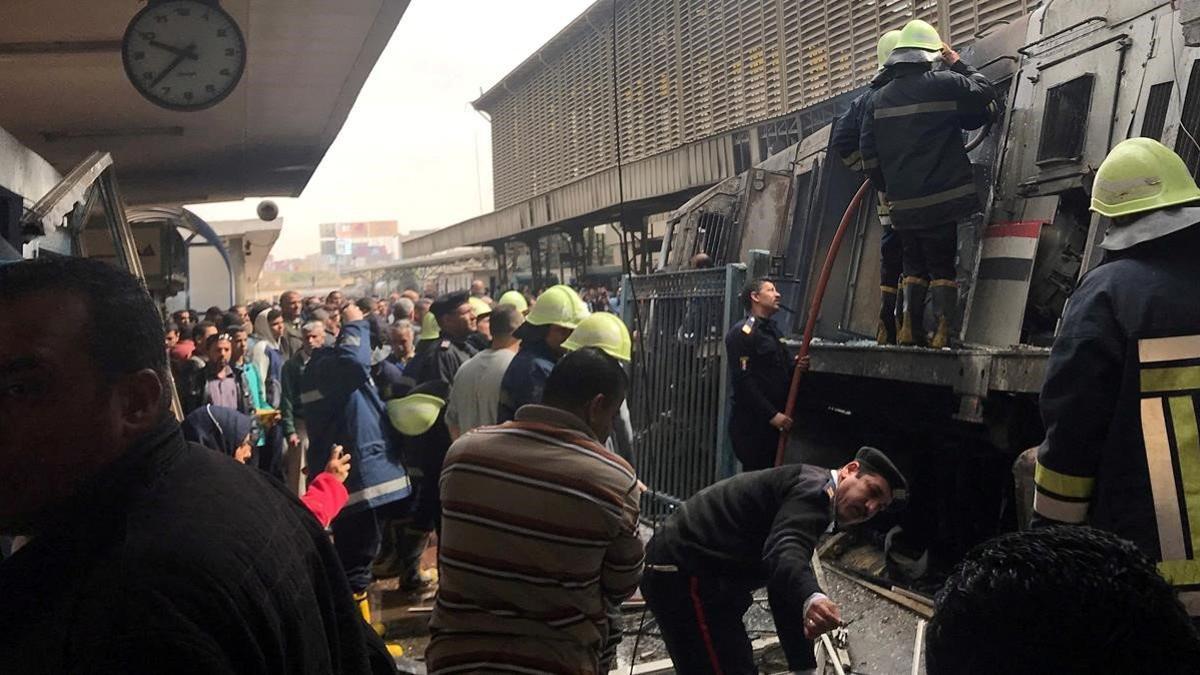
(525, 378)
(1120, 405)
(912, 142)
(342, 406)
(760, 370)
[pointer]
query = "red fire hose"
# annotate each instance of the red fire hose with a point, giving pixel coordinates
(814, 310)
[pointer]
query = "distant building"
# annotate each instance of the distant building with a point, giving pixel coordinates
(353, 245)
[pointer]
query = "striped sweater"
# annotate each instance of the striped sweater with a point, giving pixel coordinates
(538, 547)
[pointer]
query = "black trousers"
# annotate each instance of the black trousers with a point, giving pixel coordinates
(929, 253)
(754, 443)
(700, 620)
(356, 538)
(891, 258)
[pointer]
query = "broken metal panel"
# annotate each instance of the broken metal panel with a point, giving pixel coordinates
(765, 196)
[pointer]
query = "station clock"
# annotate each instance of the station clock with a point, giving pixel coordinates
(184, 55)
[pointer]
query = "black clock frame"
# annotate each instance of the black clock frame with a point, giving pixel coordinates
(132, 77)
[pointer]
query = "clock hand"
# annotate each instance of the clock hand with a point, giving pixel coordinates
(188, 53)
(185, 53)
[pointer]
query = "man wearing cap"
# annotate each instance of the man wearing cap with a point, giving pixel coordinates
(455, 322)
(554, 316)
(1122, 384)
(753, 530)
(912, 149)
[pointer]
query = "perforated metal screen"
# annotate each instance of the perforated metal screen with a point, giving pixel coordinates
(690, 69)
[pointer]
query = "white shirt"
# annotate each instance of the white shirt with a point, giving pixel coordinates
(475, 396)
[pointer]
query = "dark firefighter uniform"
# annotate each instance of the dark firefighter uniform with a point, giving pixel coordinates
(761, 374)
(525, 377)
(426, 452)
(754, 530)
(1122, 448)
(844, 140)
(912, 149)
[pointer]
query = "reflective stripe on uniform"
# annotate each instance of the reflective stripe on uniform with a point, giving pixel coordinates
(1064, 485)
(1191, 602)
(1162, 480)
(311, 396)
(1183, 378)
(935, 198)
(1179, 348)
(1060, 510)
(916, 109)
(1180, 572)
(394, 485)
(869, 164)
(853, 160)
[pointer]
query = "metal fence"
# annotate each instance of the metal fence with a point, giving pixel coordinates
(678, 398)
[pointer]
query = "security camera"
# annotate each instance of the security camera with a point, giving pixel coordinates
(268, 210)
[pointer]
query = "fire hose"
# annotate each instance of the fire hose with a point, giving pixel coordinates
(814, 308)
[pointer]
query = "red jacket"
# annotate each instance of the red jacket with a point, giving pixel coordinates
(325, 497)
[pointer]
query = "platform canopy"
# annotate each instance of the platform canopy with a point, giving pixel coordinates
(66, 95)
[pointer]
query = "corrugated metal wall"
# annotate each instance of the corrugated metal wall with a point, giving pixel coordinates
(690, 69)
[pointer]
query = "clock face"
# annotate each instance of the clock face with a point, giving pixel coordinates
(184, 54)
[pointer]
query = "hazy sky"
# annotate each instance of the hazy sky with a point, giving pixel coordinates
(413, 149)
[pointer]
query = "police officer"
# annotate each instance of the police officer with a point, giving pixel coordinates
(844, 140)
(761, 377)
(554, 316)
(912, 149)
(455, 322)
(1122, 386)
(751, 531)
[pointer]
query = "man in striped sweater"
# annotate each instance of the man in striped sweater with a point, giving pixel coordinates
(539, 546)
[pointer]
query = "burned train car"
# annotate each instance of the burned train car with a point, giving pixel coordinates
(1075, 79)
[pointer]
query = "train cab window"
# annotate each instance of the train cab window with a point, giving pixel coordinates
(1155, 118)
(1189, 122)
(1064, 123)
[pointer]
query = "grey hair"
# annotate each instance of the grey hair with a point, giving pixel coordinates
(313, 327)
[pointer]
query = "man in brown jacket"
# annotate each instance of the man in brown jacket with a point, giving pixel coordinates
(539, 542)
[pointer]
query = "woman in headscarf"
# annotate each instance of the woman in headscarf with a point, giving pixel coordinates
(222, 429)
(233, 433)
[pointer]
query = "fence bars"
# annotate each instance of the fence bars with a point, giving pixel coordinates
(680, 381)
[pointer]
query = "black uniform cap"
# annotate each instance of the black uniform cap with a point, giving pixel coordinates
(875, 461)
(449, 303)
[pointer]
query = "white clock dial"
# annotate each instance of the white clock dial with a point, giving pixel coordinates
(184, 54)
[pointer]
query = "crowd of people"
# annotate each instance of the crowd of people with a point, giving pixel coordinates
(135, 541)
(215, 493)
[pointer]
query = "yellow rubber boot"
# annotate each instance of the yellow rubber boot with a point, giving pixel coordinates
(912, 325)
(364, 608)
(885, 333)
(944, 297)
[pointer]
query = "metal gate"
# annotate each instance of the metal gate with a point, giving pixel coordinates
(678, 398)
